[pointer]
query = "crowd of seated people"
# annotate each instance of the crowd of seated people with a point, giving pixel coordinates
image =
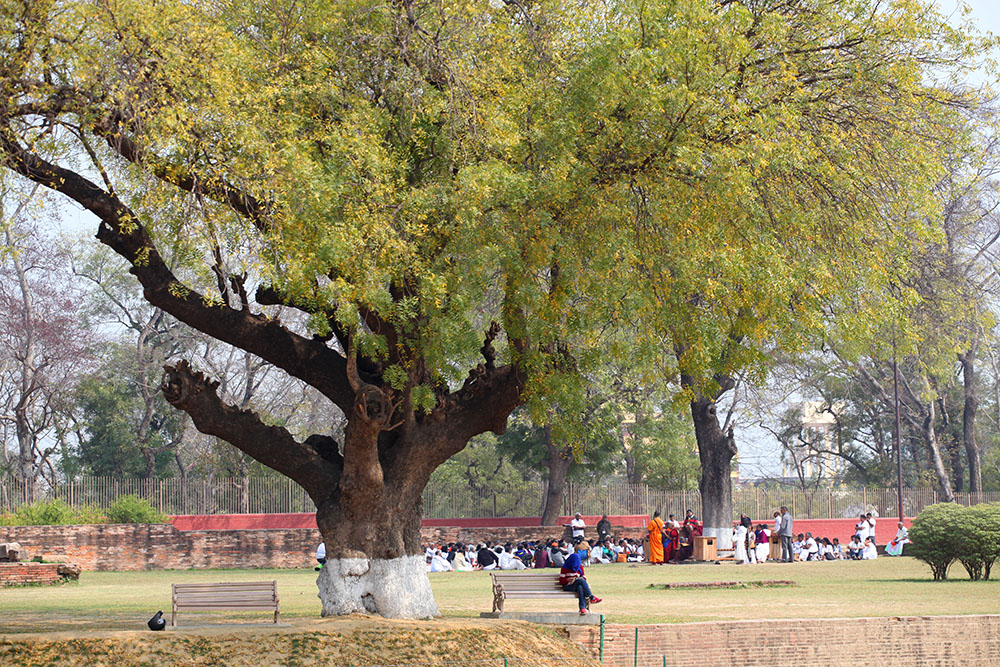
(751, 542)
(805, 547)
(457, 556)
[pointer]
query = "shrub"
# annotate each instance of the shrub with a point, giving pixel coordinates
(981, 542)
(133, 509)
(44, 513)
(935, 537)
(90, 514)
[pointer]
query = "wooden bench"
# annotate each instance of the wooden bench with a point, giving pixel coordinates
(230, 596)
(522, 584)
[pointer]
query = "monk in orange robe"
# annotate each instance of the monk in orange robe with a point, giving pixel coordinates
(655, 529)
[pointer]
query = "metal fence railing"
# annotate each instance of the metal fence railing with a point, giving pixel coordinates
(268, 495)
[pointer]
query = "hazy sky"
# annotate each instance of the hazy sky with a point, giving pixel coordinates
(986, 13)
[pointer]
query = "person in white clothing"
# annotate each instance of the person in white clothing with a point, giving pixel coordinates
(861, 528)
(871, 526)
(507, 560)
(321, 555)
(854, 548)
(439, 563)
(810, 550)
(578, 526)
(596, 555)
(460, 564)
(869, 551)
(895, 548)
(739, 544)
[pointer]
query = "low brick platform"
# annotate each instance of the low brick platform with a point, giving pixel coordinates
(898, 641)
(19, 574)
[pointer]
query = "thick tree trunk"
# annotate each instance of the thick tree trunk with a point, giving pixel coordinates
(27, 468)
(375, 564)
(972, 453)
(716, 450)
(559, 461)
(632, 473)
(930, 439)
(953, 447)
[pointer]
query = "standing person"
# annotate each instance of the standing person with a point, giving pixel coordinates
(573, 579)
(655, 529)
(690, 520)
(871, 526)
(861, 528)
(577, 525)
(786, 534)
(762, 540)
(740, 542)
(603, 529)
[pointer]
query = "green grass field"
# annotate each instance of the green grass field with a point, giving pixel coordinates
(885, 587)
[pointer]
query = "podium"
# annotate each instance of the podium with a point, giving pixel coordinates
(775, 551)
(704, 548)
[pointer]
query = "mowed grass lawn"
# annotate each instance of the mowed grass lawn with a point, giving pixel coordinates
(884, 587)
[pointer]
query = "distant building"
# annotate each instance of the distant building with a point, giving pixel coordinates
(818, 434)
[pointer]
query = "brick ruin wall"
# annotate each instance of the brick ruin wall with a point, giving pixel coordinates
(164, 547)
(20, 574)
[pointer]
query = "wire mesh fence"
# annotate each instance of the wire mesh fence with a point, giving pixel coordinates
(271, 495)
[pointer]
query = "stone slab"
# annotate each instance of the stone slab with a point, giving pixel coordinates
(552, 617)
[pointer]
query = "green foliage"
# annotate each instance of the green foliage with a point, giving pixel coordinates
(133, 509)
(44, 513)
(980, 543)
(478, 476)
(946, 532)
(664, 452)
(933, 537)
(52, 513)
(112, 412)
(126, 509)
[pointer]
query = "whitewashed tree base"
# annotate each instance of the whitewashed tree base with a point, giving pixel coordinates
(393, 588)
(723, 537)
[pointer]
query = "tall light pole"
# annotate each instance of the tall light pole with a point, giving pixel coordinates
(899, 448)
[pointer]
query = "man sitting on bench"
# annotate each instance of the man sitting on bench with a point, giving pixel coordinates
(572, 578)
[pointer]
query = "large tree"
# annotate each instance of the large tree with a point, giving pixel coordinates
(42, 346)
(773, 143)
(456, 194)
(391, 170)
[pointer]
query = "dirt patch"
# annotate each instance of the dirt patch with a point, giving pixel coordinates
(358, 641)
(765, 583)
